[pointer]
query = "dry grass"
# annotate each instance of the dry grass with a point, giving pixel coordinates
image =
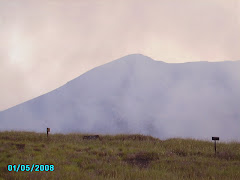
(117, 157)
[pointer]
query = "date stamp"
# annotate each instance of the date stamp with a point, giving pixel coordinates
(30, 168)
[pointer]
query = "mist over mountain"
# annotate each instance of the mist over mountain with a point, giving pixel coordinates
(136, 94)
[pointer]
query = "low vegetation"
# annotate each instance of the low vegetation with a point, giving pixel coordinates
(117, 157)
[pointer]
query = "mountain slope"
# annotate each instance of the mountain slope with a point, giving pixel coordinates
(136, 94)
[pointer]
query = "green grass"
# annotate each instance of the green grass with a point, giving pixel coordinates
(117, 157)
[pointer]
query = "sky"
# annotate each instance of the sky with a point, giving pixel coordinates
(44, 44)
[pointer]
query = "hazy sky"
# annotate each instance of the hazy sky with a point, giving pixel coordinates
(44, 44)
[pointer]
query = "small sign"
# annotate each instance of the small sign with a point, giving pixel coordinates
(215, 145)
(215, 138)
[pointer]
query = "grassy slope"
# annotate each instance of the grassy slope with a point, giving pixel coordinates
(117, 157)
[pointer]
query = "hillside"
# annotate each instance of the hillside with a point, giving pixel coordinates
(138, 95)
(117, 157)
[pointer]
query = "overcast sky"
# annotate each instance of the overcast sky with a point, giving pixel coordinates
(44, 44)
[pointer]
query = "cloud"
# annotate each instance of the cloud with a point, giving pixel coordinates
(57, 41)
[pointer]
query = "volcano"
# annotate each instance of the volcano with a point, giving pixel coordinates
(136, 94)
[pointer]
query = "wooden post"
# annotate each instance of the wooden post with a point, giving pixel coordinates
(48, 130)
(215, 145)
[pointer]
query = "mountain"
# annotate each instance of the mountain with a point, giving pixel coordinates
(136, 94)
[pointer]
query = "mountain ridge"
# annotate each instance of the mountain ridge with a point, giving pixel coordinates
(135, 95)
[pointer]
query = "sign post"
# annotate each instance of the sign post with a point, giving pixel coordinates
(215, 145)
(48, 130)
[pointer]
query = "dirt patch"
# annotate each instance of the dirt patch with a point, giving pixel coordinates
(20, 146)
(141, 159)
(37, 149)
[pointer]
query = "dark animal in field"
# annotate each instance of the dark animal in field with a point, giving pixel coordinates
(91, 137)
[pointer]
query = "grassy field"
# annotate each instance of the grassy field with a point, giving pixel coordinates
(117, 157)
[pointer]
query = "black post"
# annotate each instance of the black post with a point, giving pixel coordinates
(48, 130)
(215, 145)
(215, 148)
